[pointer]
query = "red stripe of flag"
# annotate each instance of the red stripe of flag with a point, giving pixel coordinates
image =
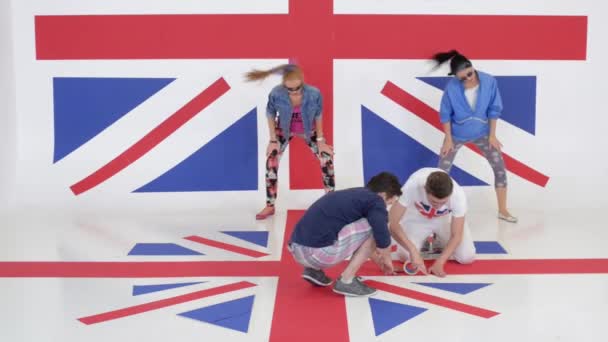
(302, 308)
(369, 36)
(503, 37)
(139, 269)
(159, 36)
(152, 269)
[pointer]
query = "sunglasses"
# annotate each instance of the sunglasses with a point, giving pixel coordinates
(293, 90)
(467, 76)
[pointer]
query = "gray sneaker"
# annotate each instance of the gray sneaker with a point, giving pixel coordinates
(316, 277)
(355, 289)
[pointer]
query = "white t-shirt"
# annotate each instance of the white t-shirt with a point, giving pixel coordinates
(471, 95)
(414, 198)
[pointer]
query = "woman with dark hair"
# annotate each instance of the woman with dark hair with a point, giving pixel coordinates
(470, 108)
(293, 110)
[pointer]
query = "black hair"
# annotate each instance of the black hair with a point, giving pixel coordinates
(458, 62)
(385, 182)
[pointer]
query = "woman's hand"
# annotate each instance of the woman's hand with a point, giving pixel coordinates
(325, 148)
(448, 146)
(494, 142)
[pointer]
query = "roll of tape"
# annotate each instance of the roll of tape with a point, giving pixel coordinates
(409, 268)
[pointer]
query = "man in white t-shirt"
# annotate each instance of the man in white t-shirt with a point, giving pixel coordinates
(432, 202)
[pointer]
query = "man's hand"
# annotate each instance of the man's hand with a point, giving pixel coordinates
(437, 268)
(384, 261)
(418, 262)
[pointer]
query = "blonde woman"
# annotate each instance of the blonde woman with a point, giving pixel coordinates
(294, 109)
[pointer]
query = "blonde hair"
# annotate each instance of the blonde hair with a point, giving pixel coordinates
(288, 71)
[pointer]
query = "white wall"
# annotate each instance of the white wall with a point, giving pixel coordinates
(569, 145)
(8, 126)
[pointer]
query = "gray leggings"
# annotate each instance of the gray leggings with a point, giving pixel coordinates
(493, 156)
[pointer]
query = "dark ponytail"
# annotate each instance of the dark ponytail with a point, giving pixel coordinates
(443, 57)
(457, 61)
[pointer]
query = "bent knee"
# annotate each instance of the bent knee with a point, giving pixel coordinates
(465, 259)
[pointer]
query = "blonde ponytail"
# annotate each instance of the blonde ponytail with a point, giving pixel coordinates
(285, 70)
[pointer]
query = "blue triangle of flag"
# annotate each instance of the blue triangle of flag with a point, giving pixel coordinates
(143, 289)
(259, 238)
(161, 249)
(460, 288)
(84, 106)
(229, 162)
(518, 95)
(387, 315)
(234, 314)
(489, 247)
(385, 148)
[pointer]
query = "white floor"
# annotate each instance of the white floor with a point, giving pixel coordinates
(43, 301)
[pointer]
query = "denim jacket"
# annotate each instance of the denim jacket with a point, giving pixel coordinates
(468, 124)
(280, 104)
